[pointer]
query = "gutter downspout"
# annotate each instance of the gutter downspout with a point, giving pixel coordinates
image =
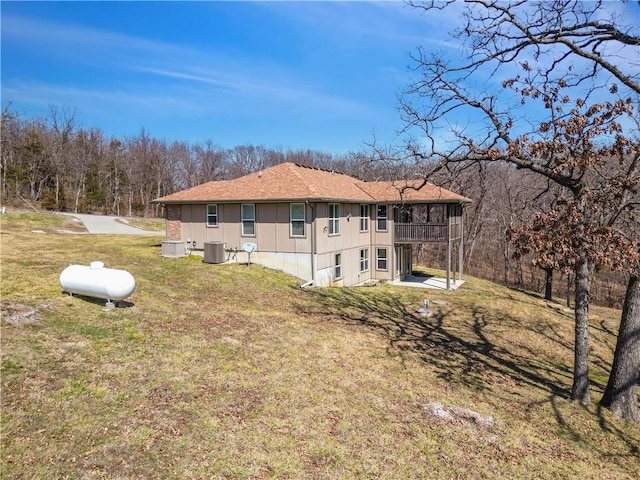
(166, 221)
(313, 245)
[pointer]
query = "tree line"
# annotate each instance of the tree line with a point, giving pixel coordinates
(59, 165)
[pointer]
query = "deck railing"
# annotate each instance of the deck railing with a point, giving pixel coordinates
(420, 232)
(426, 232)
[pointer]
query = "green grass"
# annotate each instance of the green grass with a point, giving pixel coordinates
(224, 371)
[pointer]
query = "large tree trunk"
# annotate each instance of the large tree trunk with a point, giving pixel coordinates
(621, 394)
(548, 284)
(580, 388)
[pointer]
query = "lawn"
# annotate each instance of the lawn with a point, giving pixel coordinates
(229, 371)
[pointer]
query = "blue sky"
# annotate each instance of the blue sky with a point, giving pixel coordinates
(320, 75)
(324, 75)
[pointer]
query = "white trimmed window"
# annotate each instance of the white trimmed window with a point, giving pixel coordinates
(381, 218)
(364, 260)
(297, 215)
(337, 271)
(212, 215)
(334, 219)
(382, 261)
(364, 217)
(248, 220)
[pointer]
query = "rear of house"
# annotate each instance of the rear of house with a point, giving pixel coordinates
(320, 226)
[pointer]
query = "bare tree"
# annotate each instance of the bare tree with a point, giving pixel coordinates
(60, 137)
(576, 40)
(9, 139)
(115, 175)
(147, 168)
(77, 167)
(208, 162)
(34, 160)
(563, 48)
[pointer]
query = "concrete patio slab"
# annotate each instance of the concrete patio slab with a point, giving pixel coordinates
(423, 281)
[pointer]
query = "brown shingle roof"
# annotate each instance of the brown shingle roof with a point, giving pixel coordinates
(411, 191)
(290, 182)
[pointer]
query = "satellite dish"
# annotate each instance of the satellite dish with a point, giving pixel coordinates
(249, 247)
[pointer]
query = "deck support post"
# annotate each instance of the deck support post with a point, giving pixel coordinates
(460, 255)
(448, 264)
(448, 247)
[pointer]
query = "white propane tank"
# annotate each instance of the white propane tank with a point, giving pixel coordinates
(96, 281)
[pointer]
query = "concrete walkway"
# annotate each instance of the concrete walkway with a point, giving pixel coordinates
(106, 224)
(434, 283)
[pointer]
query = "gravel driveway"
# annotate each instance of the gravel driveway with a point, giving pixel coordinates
(96, 224)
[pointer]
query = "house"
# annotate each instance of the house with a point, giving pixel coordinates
(323, 227)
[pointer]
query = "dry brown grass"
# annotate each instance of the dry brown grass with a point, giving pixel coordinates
(224, 371)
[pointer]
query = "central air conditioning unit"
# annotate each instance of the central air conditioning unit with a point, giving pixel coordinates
(174, 249)
(213, 252)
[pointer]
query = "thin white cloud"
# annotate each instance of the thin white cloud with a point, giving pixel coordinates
(279, 93)
(120, 55)
(391, 22)
(68, 40)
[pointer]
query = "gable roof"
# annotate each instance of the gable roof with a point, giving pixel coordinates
(288, 182)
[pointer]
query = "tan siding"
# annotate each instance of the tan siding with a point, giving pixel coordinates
(266, 221)
(283, 242)
(216, 234)
(351, 261)
(350, 265)
(232, 227)
(186, 222)
(325, 260)
(272, 228)
(349, 237)
(387, 274)
(349, 242)
(381, 238)
(198, 225)
(321, 228)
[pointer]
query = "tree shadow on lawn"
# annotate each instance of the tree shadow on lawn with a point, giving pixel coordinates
(460, 350)
(459, 353)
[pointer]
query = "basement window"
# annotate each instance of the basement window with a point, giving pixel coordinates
(381, 261)
(337, 273)
(364, 260)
